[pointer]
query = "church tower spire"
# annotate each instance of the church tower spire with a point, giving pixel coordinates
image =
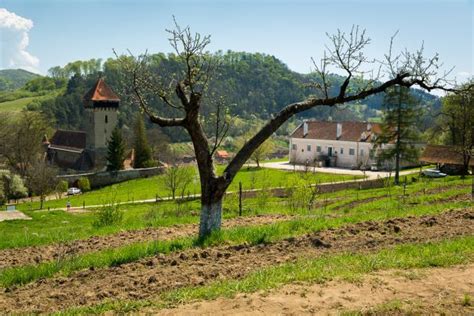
(101, 106)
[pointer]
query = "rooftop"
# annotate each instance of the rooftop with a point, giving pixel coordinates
(101, 92)
(444, 155)
(68, 140)
(327, 130)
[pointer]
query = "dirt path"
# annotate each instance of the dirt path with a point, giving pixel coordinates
(148, 277)
(428, 292)
(31, 255)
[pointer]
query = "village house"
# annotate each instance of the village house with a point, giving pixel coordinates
(334, 144)
(84, 150)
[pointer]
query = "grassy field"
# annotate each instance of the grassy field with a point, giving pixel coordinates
(58, 226)
(150, 188)
(384, 208)
(21, 103)
(16, 105)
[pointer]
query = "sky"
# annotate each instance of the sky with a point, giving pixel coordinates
(39, 34)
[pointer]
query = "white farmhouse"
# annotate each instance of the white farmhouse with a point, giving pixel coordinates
(335, 144)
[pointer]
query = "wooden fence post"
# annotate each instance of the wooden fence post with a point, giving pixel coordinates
(240, 198)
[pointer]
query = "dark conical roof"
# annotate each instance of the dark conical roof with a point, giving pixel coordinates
(101, 92)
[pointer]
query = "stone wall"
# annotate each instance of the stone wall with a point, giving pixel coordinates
(100, 179)
(323, 188)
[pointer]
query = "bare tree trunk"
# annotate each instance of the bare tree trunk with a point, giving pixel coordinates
(399, 123)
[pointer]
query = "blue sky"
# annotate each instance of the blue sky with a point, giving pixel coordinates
(293, 31)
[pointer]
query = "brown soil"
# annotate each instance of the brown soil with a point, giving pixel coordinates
(416, 292)
(32, 255)
(148, 277)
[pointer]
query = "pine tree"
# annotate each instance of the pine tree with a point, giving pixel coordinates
(399, 128)
(142, 150)
(115, 151)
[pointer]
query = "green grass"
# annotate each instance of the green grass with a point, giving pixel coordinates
(239, 235)
(16, 105)
(59, 226)
(149, 188)
(345, 266)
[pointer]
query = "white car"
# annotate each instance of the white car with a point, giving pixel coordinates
(73, 191)
(433, 173)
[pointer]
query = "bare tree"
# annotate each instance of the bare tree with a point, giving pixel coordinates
(346, 54)
(20, 139)
(41, 180)
(177, 179)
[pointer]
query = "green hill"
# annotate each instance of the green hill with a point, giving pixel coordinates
(12, 79)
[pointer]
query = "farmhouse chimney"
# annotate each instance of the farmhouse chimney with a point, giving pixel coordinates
(305, 128)
(338, 130)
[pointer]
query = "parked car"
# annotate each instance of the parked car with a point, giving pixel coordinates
(73, 191)
(433, 173)
(374, 167)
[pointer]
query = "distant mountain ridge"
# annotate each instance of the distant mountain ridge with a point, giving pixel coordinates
(12, 79)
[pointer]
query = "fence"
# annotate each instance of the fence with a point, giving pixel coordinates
(104, 178)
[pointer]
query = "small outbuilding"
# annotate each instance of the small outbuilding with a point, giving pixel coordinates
(449, 159)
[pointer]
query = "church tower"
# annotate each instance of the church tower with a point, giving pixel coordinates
(101, 106)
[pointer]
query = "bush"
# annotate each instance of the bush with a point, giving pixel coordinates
(84, 184)
(61, 188)
(108, 214)
(300, 195)
(13, 186)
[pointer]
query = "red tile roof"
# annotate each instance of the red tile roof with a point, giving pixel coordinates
(222, 154)
(351, 131)
(69, 139)
(444, 155)
(101, 92)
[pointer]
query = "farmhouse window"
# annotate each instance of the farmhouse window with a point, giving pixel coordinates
(351, 152)
(318, 149)
(308, 148)
(293, 146)
(341, 151)
(106, 119)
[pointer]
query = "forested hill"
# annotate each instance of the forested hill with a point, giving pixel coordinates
(255, 85)
(11, 79)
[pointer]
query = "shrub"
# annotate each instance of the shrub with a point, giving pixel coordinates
(84, 184)
(61, 187)
(14, 186)
(108, 214)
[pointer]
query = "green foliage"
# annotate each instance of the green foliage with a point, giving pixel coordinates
(83, 184)
(42, 84)
(143, 157)
(399, 128)
(109, 214)
(300, 194)
(61, 187)
(115, 151)
(454, 126)
(13, 186)
(248, 81)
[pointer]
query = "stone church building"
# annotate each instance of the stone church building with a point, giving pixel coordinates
(85, 150)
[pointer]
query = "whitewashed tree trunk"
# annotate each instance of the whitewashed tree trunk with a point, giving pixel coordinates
(211, 217)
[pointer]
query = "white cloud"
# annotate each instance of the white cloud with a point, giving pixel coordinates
(14, 41)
